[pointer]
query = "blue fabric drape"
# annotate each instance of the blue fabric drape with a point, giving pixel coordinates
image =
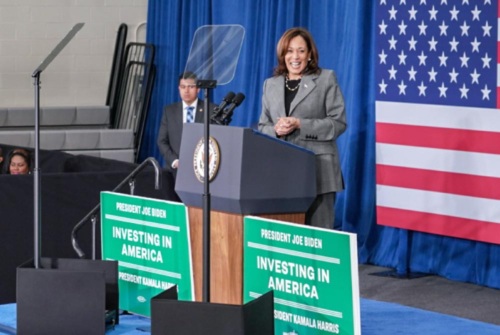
(344, 31)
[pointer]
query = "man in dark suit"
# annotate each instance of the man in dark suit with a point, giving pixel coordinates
(190, 109)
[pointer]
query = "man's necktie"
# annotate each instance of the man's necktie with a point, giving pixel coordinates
(190, 114)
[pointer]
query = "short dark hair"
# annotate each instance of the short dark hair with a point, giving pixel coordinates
(282, 48)
(187, 75)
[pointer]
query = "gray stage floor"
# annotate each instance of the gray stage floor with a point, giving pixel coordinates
(432, 293)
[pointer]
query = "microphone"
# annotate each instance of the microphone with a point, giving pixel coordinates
(228, 113)
(219, 109)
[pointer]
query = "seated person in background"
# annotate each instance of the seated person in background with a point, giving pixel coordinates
(19, 162)
(1, 160)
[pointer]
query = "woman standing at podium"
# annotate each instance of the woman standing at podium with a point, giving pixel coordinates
(303, 104)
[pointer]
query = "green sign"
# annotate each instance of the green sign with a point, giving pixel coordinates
(150, 240)
(312, 271)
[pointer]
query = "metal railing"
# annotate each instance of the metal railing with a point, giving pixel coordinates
(92, 215)
(135, 89)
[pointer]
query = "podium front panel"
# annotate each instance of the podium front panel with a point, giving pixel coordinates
(257, 174)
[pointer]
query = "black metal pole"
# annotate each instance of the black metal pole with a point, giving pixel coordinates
(36, 176)
(36, 171)
(205, 85)
(206, 201)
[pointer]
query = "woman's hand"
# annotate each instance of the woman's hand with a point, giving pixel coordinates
(286, 125)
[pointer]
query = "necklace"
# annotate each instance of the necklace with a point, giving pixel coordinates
(292, 88)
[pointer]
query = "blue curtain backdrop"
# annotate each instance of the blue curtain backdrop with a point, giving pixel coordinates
(344, 31)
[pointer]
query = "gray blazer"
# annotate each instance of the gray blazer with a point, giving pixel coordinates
(319, 105)
(170, 132)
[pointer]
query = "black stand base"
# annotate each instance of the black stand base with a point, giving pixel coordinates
(170, 316)
(67, 296)
(395, 274)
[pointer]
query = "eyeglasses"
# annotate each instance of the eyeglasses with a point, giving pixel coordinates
(183, 87)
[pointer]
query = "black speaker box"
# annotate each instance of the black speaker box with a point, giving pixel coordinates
(171, 316)
(67, 296)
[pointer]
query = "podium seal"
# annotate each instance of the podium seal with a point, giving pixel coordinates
(213, 159)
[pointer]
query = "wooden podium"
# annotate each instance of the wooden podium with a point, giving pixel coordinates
(258, 175)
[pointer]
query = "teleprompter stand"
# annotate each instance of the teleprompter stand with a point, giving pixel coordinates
(169, 316)
(213, 59)
(62, 296)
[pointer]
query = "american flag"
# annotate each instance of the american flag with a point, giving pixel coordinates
(437, 117)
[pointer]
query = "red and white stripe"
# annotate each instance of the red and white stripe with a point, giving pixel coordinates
(438, 169)
(498, 54)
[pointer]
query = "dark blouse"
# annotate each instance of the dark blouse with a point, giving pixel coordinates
(291, 89)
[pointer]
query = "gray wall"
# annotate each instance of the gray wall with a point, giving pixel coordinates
(30, 29)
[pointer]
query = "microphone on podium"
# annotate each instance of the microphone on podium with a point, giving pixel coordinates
(220, 109)
(228, 112)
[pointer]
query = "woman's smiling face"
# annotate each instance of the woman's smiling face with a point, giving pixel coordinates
(296, 57)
